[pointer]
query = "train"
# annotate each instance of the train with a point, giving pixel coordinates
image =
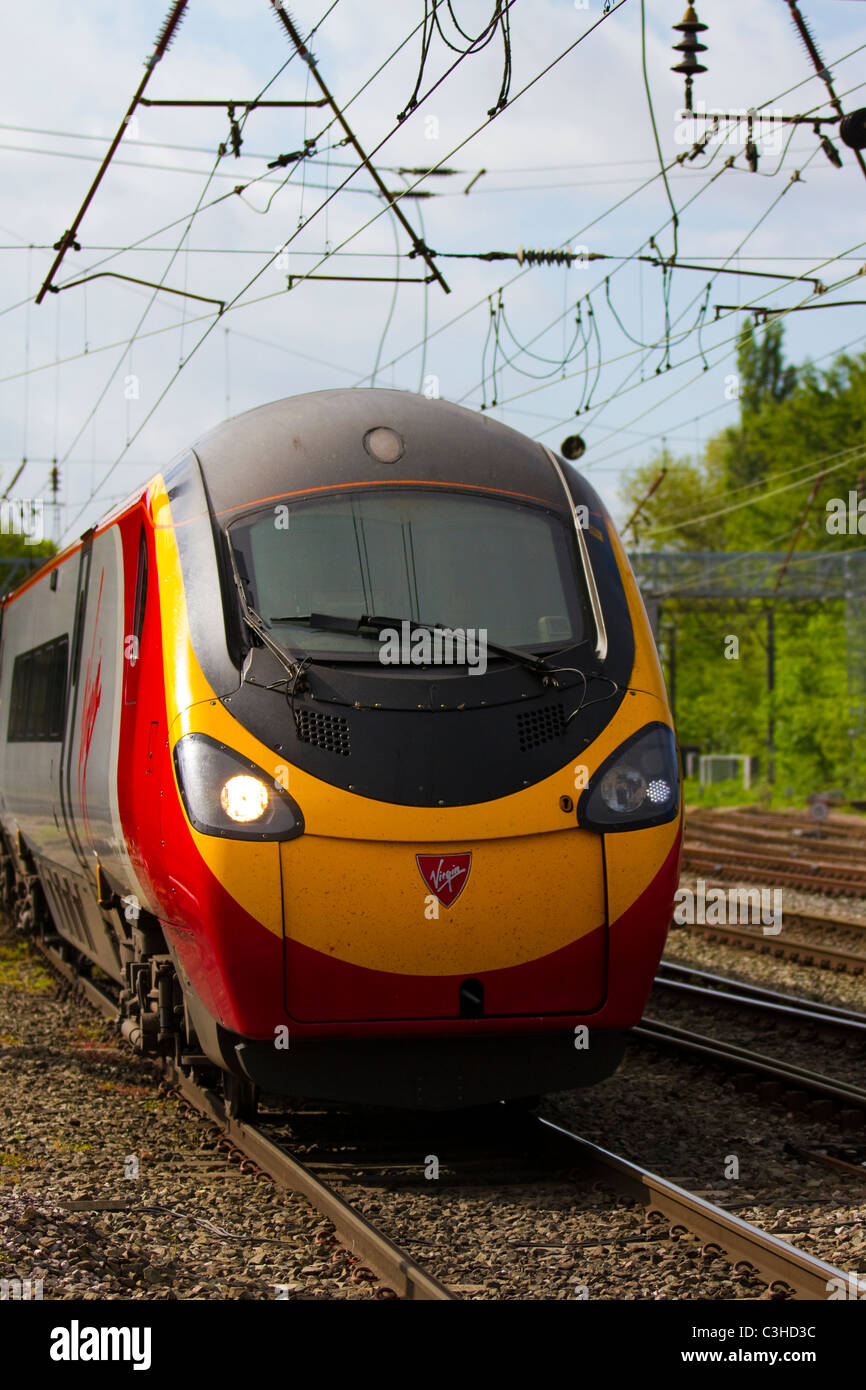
(340, 752)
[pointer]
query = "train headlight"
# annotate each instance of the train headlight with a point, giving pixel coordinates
(623, 789)
(225, 794)
(637, 786)
(244, 799)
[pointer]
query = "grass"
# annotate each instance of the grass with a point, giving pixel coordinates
(732, 793)
(20, 969)
(10, 1159)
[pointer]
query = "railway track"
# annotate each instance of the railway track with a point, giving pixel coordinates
(826, 857)
(786, 1082)
(788, 1271)
(781, 1080)
(811, 876)
(395, 1267)
(831, 853)
(785, 1268)
(784, 947)
(756, 822)
(704, 984)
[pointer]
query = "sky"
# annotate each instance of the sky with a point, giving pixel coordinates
(113, 379)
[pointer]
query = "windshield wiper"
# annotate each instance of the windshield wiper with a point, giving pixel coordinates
(332, 622)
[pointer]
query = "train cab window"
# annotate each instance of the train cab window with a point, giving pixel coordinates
(38, 699)
(456, 560)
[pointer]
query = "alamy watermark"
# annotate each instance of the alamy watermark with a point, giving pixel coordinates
(729, 127)
(437, 646)
(846, 517)
(20, 1290)
(23, 517)
(714, 907)
(77, 1343)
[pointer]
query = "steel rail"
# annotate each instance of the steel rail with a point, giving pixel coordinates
(775, 996)
(807, 952)
(807, 919)
(852, 827)
(829, 854)
(774, 1259)
(820, 883)
(825, 847)
(397, 1269)
(767, 1000)
(393, 1266)
(654, 1031)
(810, 862)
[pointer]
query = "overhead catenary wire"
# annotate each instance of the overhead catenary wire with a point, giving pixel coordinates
(625, 261)
(189, 221)
(692, 419)
(267, 85)
(574, 236)
(417, 245)
(621, 389)
(163, 41)
(425, 334)
(238, 301)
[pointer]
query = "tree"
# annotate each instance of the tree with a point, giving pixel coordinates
(764, 378)
(752, 491)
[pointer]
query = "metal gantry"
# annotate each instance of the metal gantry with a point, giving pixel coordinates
(739, 576)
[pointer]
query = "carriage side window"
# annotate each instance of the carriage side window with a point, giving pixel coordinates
(38, 698)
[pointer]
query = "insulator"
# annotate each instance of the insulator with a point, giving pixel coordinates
(166, 33)
(690, 26)
(852, 129)
(534, 257)
(688, 67)
(831, 152)
(752, 155)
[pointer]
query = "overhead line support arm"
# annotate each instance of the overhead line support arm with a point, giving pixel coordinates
(166, 35)
(418, 246)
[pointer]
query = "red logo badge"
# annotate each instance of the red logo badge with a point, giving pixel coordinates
(445, 874)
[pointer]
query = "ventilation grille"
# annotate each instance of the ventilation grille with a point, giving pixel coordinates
(537, 726)
(329, 732)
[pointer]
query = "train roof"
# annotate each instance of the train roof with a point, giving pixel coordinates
(326, 439)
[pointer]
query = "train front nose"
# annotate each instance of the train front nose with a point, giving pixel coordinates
(494, 928)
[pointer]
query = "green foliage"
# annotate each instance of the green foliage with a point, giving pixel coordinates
(18, 559)
(764, 485)
(764, 379)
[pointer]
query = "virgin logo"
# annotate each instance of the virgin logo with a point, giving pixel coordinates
(445, 874)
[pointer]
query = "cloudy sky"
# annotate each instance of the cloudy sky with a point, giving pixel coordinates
(113, 379)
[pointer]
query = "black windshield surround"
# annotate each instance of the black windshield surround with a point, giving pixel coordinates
(412, 736)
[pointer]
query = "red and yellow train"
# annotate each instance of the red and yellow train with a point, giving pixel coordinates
(343, 749)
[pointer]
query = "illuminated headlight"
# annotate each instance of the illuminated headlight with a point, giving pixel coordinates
(225, 794)
(244, 799)
(638, 785)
